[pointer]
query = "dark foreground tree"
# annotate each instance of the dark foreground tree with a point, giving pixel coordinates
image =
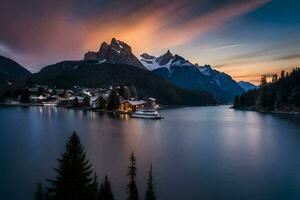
(132, 190)
(94, 188)
(150, 194)
(113, 100)
(73, 180)
(39, 192)
(105, 192)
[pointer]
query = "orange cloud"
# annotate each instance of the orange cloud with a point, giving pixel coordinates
(45, 31)
(152, 30)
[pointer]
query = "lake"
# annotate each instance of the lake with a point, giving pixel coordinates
(196, 153)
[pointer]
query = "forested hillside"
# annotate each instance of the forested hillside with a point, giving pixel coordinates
(283, 95)
(68, 74)
(12, 75)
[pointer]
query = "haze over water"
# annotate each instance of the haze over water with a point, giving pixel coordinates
(197, 153)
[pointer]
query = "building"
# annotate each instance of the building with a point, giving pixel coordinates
(68, 102)
(37, 99)
(150, 103)
(97, 102)
(128, 106)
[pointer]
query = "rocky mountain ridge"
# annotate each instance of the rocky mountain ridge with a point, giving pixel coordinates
(117, 52)
(182, 73)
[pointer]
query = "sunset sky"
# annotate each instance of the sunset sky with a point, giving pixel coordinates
(244, 38)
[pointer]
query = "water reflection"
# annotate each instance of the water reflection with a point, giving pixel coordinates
(124, 116)
(209, 152)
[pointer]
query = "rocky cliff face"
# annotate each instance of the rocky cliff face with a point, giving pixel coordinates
(117, 52)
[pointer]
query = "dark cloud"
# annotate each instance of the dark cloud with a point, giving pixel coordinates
(289, 57)
(283, 50)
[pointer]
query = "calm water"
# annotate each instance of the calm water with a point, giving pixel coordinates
(197, 153)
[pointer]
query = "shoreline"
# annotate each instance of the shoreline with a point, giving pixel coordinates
(65, 107)
(162, 107)
(293, 113)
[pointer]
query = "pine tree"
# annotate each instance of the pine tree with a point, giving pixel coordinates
(73, 180)
(47, 196)
(113, 100)
(132, 190)
(282, 74)
(105, 192)
(125, 92)
(150, 194)
(236, 102)
(39, 192)
(94, 188)
(101, 192)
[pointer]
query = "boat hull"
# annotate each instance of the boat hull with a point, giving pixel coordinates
(145, 116)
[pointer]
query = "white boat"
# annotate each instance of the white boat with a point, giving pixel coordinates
(50, 103)
(146, 114)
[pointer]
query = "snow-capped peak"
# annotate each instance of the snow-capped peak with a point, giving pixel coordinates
(180, 61)
(166, 60)
(152, 63)
(147, 56)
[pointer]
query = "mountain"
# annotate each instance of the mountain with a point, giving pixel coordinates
(90, 73)
(11, 71)
(11, 74)
(115, 64)
(247, 86)
(282, 95)
(117, 52)
(183, 74)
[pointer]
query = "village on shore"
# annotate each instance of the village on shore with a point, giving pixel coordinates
(117, 99)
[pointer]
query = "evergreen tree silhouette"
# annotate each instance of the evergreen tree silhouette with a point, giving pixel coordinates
(94, 188)
(150, 194)
(73, 180)
(39, 192)
(132, 190)
(105, 192)
(113, 100)
(101, 192)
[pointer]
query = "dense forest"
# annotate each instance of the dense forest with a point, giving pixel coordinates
(281, 95)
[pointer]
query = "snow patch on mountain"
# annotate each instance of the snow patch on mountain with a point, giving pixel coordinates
(116, 50)
(101, 61)
(166, 60)
(206, 70)
(153, 64)
(75, 67)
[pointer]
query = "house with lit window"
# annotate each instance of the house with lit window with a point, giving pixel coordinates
(128, 106)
